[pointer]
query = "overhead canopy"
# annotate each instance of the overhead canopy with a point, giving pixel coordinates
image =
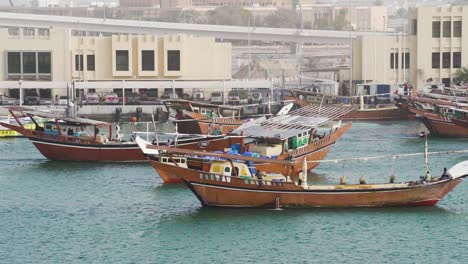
(295, 123)
(71, 120)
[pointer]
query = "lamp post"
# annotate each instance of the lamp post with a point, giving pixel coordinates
(248, 41)
(20, 84)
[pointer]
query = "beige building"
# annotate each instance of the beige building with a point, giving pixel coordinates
(53, 55)
(363, 18)
(433, 49)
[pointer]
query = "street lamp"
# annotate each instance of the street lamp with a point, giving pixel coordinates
(248, 40)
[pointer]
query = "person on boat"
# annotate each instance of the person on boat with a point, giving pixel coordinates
(259, 176)
(446, 175)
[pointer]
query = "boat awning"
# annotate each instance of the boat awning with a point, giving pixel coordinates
(185, 104)
(72, 120)
(295, 123)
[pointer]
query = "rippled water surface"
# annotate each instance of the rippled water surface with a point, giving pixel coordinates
(72, 212)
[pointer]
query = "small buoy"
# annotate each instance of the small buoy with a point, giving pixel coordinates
(392, 179)
(134, 120)
(362, 180)
(343, 180)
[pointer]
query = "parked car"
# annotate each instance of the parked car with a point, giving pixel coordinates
(5, 100)
(32, 98)
(198, 96)
(149, 95)
(256, 97)
(63, 100)
(92, 98)
(238, 97)
(132, 98)
(216, 98)
(169, 96)
(111, 99)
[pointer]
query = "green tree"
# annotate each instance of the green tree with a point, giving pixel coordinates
(229, 15)
(461, 76)
(282, 18)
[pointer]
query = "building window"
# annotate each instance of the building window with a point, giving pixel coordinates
(147, 60)
(393, 60)
(28, 33)
(447, 30)
(79, 62)
(44, 62)
(173, 60)
(29, 62)
(90, 63)
(43, 33)
(121, 60)
(405, 60)
(435, 60)
(436, 29)
(457, 29)
(446, 60)
(457, 60)
(13, 32)
(14, 62)
(446, 82)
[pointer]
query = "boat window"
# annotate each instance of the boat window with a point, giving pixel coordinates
(299, 135)
(182, 161)
(48, 127)
(164, 159)
(227, 169)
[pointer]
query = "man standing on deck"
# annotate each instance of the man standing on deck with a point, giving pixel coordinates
(259, 176)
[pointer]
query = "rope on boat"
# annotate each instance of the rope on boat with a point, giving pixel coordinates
(392, 156)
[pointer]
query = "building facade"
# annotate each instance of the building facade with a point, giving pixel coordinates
(432, 48)
(51, 55)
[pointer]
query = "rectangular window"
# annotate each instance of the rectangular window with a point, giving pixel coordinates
(173, 60)
(446, 60)
(121, 60)
(436, 29)
(405, 60)
(90, 63)
(457, 60)
(29, 62)
(447, 30)
(14, 62)
(393, 60)
(79, 62)
(147, 60)
(435, 60)
(457, 29)
(44, 62)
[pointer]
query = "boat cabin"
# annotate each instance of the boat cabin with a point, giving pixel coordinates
(66, 129)
(180, 161)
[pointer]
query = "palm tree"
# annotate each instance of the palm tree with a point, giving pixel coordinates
(461, 76)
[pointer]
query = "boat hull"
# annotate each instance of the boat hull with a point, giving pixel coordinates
(379, 114)
(78, 152)
(221, 191)
(224, 196)
(445, 128)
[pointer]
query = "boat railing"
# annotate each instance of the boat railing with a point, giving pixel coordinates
(233, 179)
(312, 146)
(63, 138)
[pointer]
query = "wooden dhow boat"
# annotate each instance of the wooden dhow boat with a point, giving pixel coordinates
(378, 112)
(74, 139)
(219, 185)
(442, 118)
(266, 143)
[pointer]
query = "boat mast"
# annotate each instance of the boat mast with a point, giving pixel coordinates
(426, 156)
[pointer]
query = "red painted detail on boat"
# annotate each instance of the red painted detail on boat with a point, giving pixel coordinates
(431, 202)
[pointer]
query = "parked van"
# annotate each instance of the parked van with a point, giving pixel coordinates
(216, 98)
(238, 97)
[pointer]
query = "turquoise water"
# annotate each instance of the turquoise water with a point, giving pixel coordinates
(71, 212)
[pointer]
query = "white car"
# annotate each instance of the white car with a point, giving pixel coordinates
(216, 98)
